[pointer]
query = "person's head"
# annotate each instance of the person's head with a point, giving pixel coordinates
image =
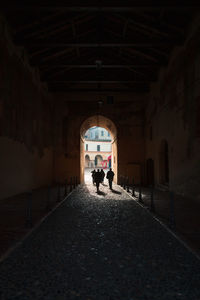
(98, 170)
(110, 169)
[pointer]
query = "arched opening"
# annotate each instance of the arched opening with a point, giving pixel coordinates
(164, 163)
(99, 160)
(150, 171)
(87, 161)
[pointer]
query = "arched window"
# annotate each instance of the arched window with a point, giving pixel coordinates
(87, 161)
(98, 160)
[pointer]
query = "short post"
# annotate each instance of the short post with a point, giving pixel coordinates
(65, 187)
(172, 222)
(140, 194)
(152, 208)
(121, 181)
(127, 184)
(70, 184)
(29, 217)
(124, 183)
(74, 182)
(58, 193)
(48, 198)
(133, 188)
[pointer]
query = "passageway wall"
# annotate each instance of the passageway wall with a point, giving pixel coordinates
(25, 122)
(173, 115)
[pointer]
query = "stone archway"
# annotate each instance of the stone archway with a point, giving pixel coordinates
(100, 121)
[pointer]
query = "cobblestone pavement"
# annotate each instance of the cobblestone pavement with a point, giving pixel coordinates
(100, 247)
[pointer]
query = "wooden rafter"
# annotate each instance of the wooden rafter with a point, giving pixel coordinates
(57, 54)
(130, 8)
(58, 27)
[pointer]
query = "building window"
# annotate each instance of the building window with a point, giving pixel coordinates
(98, 147)
(108, 134)
(86, 147)
(102, 133)
(96, 135)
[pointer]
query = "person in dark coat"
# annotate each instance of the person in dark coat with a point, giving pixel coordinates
(93, 176)
(110, 175)
(97, 179)
(102, 175)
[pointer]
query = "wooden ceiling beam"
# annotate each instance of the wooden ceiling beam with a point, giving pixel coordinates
(58, 27)
(142, 54)
(103, 90)
(55, 44)
(98, 81)
(54, 55)
(74, 66)
(37, 22)
(99, 8)
(149, 28)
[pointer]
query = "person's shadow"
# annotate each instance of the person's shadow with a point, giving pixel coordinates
(115, 192)
(101, 193)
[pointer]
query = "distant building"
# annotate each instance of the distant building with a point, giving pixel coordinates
(98, 148)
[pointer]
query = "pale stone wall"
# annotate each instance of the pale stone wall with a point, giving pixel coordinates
(92, 146)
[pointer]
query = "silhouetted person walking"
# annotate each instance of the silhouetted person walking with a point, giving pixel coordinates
(102, 175)
(110, 175)
(93, 176)
(98, 179)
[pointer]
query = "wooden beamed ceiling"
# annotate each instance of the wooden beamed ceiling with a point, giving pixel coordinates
(98, 46)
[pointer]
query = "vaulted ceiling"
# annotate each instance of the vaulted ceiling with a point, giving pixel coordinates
(99, 46)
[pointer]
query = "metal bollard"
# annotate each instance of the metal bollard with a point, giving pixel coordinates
(121, 181)
(152, 207)
(70, 184)
(29, 217)
(127, 184)
(124, 182)
(140, 194)
(172, 223)
(48, 198)
(58, 193)
(65, 186)
(74, 182)
(133, 189)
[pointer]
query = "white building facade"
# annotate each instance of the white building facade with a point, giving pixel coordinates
(98, 148)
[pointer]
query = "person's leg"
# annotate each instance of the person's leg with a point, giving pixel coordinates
(110, 184)
(97, 184)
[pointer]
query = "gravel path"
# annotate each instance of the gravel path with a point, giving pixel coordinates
(100, 247)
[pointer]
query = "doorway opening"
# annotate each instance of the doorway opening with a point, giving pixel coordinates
(150, 172)
(98, 147)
